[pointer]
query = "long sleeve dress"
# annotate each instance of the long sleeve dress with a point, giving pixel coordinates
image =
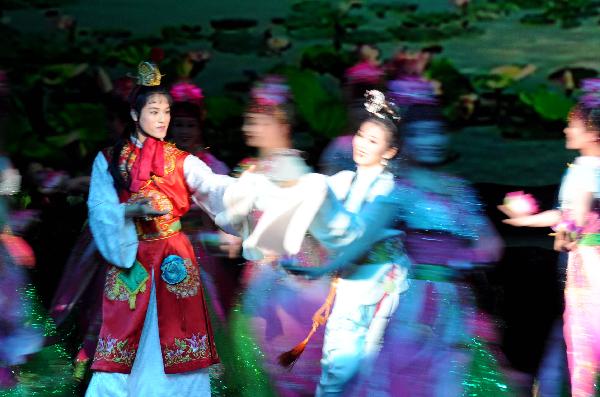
(156, 337)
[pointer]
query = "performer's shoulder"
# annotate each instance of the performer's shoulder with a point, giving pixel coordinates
(172, 150)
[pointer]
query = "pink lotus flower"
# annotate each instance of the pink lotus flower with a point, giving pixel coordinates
(520, 203)
(186, 92)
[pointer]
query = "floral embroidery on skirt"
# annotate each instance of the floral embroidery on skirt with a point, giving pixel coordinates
(117, 351)
(186, 349)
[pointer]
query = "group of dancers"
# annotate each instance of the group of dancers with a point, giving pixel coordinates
(353, 284)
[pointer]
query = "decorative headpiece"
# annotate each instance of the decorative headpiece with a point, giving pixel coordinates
(187, 92)
(588, 108)
(148, 74)
(377, 105)
(591, 93)
(269, 95)
(271, 91)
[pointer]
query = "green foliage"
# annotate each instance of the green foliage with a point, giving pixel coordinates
(17, 4)
(549, 105)
(222, 109)
(361, 36)
(82, 124)
(326, 59)
(237, 41)
(454, 83)
(568, 13)
(131, 55)
(181, 34)
(320, 107)
(432, 26)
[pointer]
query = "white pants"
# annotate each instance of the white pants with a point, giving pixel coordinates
(356, 326)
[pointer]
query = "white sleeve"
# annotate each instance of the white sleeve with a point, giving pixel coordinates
(207, 188)
(114, 234)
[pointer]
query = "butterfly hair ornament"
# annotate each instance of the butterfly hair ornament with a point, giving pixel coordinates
(148, 74)
(377, 105)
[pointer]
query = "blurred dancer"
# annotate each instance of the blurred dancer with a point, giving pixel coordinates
(188, 124)
(17, 340)
(273, 305)
(436, 346)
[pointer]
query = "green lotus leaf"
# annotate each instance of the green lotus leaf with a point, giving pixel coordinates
(311, 33)
(237, 42)
(310, 7)
(132, 55)
(454, 83)
(222, 109)
(550, 105)
(233, 23)
(367, 36)
(325, 59)
(58, 74)
(317, 102)
(537, 19)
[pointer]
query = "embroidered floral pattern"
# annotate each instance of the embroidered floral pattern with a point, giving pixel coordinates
(159, 201)
(114, 350)
(190, 284)
(113, 288)
(186, 349)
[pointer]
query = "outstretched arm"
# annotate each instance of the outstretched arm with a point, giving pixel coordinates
(350, 235)
(543, 219)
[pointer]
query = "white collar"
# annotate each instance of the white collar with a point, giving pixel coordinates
(593, 161)
(369, 173)
(136, 141)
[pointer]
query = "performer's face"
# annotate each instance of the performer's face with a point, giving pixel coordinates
(371, 145)
(425, 142)
(264, 131)
(155, 117)
(186, 132)
(576, 135)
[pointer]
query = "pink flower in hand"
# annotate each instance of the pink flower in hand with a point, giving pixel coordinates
(520, 203)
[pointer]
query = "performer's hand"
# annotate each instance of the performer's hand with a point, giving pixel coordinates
(142, 209)
(513, 218)
(507, 211)
(230, 245)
